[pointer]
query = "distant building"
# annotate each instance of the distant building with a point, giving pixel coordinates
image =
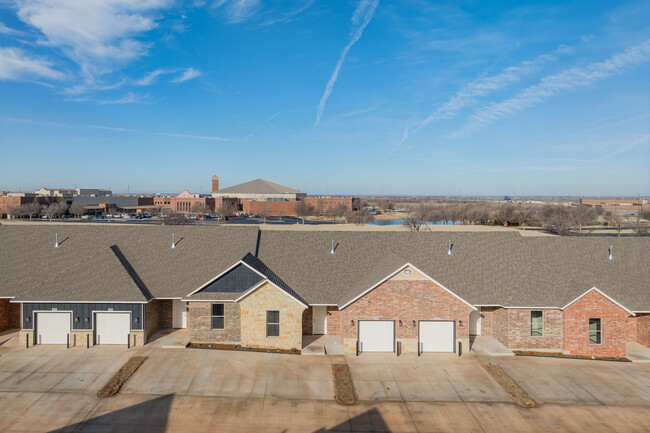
(621, 206)
(72, 192)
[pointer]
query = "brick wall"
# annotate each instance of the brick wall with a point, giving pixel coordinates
(486, 320)
(519, 325)
(500, 325)
(406, 297)
(576, 326)
(199, 323)
(643, 329)
(165, 311)
(253, 319)
(333, 321)
(307, 321)
(151, 317)
(630, 329)
(4, 314)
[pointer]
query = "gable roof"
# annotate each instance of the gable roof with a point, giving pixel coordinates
(259, 186)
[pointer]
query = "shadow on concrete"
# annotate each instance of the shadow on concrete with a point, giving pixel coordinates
(149, 416)
(369, 421)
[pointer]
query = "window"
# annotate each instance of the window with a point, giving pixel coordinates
(536, 323)
(217, 316)
(272, 323)
(595, 331)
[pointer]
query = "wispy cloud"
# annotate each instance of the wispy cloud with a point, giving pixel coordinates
(238, 11)
(363, 14)
(290, 15)
(553, 85)
(187, 75)
(4, 30)
(95, 34)
(129, 98)
(266, 122)
(114, 129)
(15, 64)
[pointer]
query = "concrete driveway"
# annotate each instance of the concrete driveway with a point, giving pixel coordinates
(181, 390)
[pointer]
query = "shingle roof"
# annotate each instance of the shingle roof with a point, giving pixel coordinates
(486, 268)
(259, 186)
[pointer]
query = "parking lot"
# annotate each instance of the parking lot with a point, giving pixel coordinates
(51, 388)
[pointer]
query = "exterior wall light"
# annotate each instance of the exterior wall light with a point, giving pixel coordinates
(414, 323)
(352, 322)
(87, 319)
(137, 320)
(76, 319)
(400, 323)
(28, 318)
(460, 323)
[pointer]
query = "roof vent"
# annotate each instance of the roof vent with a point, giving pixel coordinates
(56, 243)
(173, 241)
(449, 253)
(332, 252)
(611, 257)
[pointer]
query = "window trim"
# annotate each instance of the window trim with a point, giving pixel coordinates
(212, 316)
(272, 323)
(600, 331)
(531, 323)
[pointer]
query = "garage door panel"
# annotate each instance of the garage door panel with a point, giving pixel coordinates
(53, 328)
(112, 328)
(377, 335)
(437, 336)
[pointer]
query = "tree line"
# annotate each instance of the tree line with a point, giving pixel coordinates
(53, 210)
(558, 219)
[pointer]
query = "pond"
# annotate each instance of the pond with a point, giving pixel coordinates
(401, 222)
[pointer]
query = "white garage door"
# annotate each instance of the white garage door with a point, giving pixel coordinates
(53, 328)
(112, 328)
(437, 336)
(377, 335)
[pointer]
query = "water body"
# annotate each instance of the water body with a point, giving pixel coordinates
(401, 222)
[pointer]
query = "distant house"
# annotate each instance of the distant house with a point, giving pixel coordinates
(270, 289)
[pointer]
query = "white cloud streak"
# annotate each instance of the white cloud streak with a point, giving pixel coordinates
(17, 65)
(96, 34)
(238, 11)
(365, 9)
(4, 30)
(553, 85)
(188, 74)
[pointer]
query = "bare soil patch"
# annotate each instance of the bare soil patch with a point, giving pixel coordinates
(241, 348)
(563, 355)
(343, 385)
(504, 380)
(118, 380)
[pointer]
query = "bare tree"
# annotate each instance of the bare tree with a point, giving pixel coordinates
(645, 214)
(556, 219)
(417, 217)
(264, 213)
(319, 208)
(359, 217)
(55, 210)
(507, 214)
(15, 211)
(32, 209)
(226, 208)
(340, 210)
(199, 208)
(77, 210)
(303, 209)
(479, 213)
(584, 215)
(385, 205)
(615, 220)
(173, 219)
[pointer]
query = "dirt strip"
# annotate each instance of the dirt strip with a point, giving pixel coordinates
(504, 380)
(116, 382)
(343, 385)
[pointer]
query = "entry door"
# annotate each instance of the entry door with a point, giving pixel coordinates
(53, 328)
(475, 322)
(437, 336)
(320, 320)
(377, 335)
(179, 314)
(112, 328)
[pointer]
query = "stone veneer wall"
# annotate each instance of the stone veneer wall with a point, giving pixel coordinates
(613, 324)
(253, 319)
(406, 297)
(199, 323)
(519, 324)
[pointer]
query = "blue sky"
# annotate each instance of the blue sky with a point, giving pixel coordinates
(343, 97)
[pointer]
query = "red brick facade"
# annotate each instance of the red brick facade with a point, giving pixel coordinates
(643, 329)
(576, 327)
(333, 321)
(9, 315)
(408, 301)
(512, 327)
